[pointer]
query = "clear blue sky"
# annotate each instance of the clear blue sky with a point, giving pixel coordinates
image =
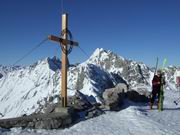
(135, 29)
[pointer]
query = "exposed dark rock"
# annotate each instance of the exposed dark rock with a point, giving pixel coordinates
(93, 112)
(79, 102)
(1, 75)
(51, 99)
(47, 124)
(136, 97)
(1, 115)
(114, 97)
(50, 108)
(38, 121)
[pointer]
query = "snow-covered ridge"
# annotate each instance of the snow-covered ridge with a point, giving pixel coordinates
(25, 89)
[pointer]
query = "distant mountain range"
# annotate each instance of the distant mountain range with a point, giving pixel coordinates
(24, 89)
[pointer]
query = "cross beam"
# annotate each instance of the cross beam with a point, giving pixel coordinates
(62, 41)
(65, 42)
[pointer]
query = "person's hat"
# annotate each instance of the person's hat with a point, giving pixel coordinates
(160, 72)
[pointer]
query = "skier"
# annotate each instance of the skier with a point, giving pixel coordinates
(156, 87)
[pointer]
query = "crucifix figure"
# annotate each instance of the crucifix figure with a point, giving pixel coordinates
(64, 43)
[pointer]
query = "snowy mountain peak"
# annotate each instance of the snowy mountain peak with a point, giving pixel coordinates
(132, 72)
(50, 63)
(101, 54)
(105, 59)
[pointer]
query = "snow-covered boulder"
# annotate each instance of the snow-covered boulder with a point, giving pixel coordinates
(114, 97)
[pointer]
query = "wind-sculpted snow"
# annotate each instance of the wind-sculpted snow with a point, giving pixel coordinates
(24, 90)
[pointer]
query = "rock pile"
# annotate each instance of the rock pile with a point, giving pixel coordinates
(114, 97)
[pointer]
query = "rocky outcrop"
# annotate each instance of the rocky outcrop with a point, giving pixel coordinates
(79, 102)
(1, 75)
(136, 97)
(114, 97)
(38, 121)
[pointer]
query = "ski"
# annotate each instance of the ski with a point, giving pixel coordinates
(161, 99)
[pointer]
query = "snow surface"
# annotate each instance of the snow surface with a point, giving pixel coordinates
(133, 119)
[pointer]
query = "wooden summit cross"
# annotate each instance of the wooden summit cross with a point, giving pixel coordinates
(64, 42)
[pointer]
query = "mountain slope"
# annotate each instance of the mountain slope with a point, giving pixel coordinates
(133, 72)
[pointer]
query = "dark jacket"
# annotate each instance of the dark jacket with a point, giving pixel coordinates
(156, 83)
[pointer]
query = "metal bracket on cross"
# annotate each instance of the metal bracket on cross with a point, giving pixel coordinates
(69, 43)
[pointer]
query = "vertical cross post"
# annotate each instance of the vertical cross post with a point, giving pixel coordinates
(64, 63)
(64, 42)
